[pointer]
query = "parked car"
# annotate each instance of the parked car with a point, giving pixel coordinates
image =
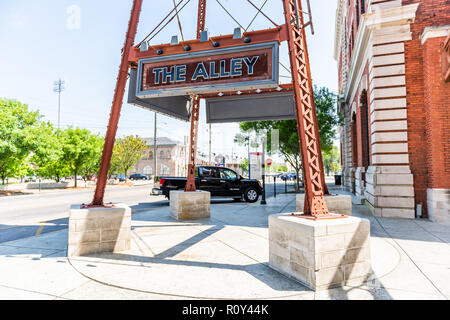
(285, 176)
(221, 182)
(138, 176)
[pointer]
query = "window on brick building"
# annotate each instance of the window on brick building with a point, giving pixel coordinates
(354, 142)
(364, 113)
(357, 12)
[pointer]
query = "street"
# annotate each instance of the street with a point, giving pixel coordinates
(28, 215)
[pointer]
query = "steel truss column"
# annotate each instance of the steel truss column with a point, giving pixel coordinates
(201, 20)
(195, 114)
(116, 105)
(315, 205)
(190, 184)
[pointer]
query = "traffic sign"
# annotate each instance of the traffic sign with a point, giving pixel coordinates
(269, 162)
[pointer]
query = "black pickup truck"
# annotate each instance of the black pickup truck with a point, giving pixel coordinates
(221, 182)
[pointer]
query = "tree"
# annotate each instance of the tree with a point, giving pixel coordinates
(48, 155)
(331, 160)
(17, 135)
(92, 164)
(80, 148)
(244, 166)
(127, 152)
(288, 135)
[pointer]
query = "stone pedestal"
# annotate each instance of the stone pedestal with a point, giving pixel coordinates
(390, 191)
(320, 254)
(190, 205)
(95, 230)
(340, 203)
(438, 201)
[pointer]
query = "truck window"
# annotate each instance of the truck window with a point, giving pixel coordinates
(210, 173)
(227, 174)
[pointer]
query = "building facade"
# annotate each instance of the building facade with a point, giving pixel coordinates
(393, 58)
(171, 158)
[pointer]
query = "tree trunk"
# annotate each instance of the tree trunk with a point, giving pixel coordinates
(75, 178)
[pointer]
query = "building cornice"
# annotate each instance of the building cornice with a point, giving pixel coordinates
(369, 22)
(434, 32)
(338, 27)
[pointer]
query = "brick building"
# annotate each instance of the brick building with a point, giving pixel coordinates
(393, 58)
(171, 158)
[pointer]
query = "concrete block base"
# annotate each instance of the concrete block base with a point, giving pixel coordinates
(341, 204)
(439, 205)
(190, 205)
(320, 254)
(95, 230)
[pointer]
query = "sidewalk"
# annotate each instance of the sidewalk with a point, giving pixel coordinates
(224, 257)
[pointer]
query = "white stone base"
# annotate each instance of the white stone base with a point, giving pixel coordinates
(320, 254)
(190, 205)
(359, 185)
(96, 230)
(438, 202)
(340, 203)
(390, 191)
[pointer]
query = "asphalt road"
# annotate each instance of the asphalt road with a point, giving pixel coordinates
(28, 215)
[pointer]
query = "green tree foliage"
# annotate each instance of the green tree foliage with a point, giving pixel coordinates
(17, 136)
(48, 156)
(244, 166)
(288, 144)
(331, 160)
(127, 152)
(80, 150)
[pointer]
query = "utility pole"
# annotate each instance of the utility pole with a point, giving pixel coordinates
(210, 144)
(59, 87)
(155, 168)
(263, 197)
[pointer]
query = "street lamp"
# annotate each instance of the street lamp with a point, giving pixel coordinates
(59, 87)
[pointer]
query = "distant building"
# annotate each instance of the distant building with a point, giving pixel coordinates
(393, 59)
(171, 158)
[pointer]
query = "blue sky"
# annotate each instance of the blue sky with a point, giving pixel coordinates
(40, 41)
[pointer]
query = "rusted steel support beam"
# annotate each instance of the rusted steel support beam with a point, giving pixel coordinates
(190, 183)
(201, 20)
(315, 205)
(116, 105)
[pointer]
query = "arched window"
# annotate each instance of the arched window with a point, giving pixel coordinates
(354, 142)
(365, 128)
(148, 170)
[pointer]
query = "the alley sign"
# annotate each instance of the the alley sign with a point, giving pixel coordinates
(227, 69)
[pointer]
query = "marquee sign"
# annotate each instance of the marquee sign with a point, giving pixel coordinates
(234, 68)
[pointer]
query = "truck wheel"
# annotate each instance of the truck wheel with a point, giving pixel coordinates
(251, 195)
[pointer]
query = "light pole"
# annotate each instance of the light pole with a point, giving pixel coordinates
(263, 197)
(155, 171)
(209, 144)
(59, 87)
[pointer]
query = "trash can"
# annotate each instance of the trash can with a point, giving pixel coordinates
(337, 180)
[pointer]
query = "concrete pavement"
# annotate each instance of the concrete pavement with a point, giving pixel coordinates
(224, 257)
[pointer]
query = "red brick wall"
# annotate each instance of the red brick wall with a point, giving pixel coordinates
(437, 104)
(429, 13)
